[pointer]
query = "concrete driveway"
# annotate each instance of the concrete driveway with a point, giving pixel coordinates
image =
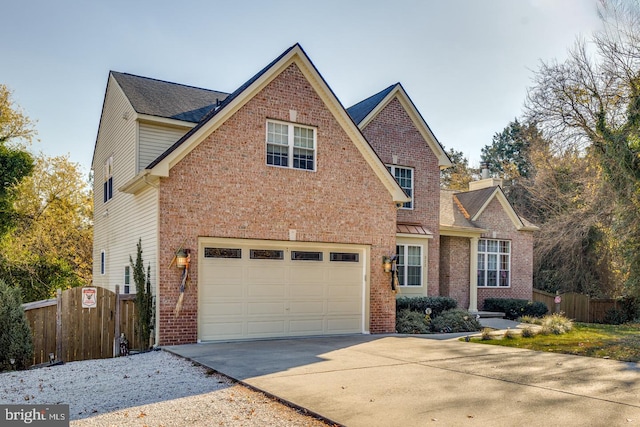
(394, 380)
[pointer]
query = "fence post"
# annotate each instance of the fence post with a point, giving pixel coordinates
(558, 301)
(59, 324)
(116, 333)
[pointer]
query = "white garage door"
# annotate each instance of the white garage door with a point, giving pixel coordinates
(264, 289)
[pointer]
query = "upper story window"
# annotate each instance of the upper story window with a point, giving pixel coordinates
(127, 279)
(108, 179)
(409, 264)
(404, 176)
(291, 146)
(494, 263)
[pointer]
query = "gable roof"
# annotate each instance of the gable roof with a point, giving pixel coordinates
(161, 166)
(360, 110)
(472, 203)
(168, 100)
(365, 111)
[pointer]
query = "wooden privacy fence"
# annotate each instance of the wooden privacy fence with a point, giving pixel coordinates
(576, 306)
(63, 327)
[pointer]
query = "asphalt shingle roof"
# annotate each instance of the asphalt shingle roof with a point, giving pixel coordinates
(169, 100)
(360, 110)
(472, 201)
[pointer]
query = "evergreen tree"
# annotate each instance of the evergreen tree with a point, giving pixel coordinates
(15, 335)
(144, 299)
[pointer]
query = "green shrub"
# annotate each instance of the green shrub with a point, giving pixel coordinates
(411, 322)
(630, 305)
(514, 308)
(556, 324)
(455, 320)
(15, 336)
(420, 304)
(615, 316)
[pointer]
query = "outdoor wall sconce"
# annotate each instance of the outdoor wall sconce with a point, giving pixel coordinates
(386, 264)
(182, 258)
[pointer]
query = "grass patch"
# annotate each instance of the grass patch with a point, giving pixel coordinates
(618, 342)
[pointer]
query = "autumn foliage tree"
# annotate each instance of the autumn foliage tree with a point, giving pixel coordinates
(15, 162)
(51, 245)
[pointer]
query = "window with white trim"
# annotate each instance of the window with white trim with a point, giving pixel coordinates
(494, 263)
(291, 146)
(103, 262)
(108, 180)
(409, 265)
(127, 279)
(404, 177)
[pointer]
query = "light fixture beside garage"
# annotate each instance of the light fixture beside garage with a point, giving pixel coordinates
(182, 258)
(386, 264)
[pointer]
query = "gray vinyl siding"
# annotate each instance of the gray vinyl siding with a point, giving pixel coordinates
(155, 140)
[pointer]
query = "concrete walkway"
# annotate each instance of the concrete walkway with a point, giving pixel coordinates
(395, 380)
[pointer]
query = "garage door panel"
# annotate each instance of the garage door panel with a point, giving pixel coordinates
(223, 329)
(343, 325)
(266, 290)
(342, 307)
(222, 309)
(307, 307)
(345, 272)
(266, 327)
(297, 290)
(266, 272)
(215, 292)
(223, 273)
(263, 298)
(344, 291)
(275, 308)
(307, 327)
(307, 272)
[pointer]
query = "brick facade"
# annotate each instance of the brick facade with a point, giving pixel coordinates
(392, 133)
(494, 218)
(454, 269)
(223, 188)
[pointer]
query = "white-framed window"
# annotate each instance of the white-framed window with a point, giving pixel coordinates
(404, 177)
(108, 180)
(494, 263)
(127, 279)
(103, 262)
(291, 146)
(409, 264)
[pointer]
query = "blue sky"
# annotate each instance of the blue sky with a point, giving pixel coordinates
(466, 64)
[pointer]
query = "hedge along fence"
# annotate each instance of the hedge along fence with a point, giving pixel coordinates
(62, 327)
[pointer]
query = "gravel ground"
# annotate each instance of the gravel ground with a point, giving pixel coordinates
(149, 389)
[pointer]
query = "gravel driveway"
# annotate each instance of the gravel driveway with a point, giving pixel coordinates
(149, 389)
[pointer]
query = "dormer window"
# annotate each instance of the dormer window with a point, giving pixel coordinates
(291, 146)
(108, 179)
(404, 177)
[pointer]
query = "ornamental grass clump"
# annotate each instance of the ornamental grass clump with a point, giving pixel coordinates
(528, 332)
(556, 324)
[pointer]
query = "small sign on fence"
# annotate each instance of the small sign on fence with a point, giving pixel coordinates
(89, 297)
(558, 299)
